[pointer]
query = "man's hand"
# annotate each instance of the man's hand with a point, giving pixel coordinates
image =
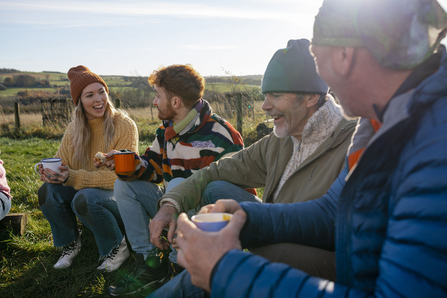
(109, 163)
(166, 217)
(200, 251)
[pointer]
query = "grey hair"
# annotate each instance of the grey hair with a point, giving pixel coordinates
(321, 100)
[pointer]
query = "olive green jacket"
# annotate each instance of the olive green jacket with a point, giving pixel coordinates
(262, 165)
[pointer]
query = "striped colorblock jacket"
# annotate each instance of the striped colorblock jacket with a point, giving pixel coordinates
(205, 139)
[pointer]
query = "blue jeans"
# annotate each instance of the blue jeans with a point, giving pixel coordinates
(5, 205)
(180, 285)
(95, 208)
(218, 190)
(137, 202)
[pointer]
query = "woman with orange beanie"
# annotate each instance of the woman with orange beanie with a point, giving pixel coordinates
(81, 190)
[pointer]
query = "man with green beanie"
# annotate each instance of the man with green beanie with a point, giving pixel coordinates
(298, 162)
(386, 214)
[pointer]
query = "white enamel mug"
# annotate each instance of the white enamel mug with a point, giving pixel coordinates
(49, 163)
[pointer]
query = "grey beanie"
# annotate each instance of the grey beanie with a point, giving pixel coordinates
(292, 70)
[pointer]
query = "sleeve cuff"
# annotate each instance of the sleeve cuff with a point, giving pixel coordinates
(172, 201)
(70, 180)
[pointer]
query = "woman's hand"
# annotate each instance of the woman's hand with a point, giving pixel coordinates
(50, 176)
(109, 163)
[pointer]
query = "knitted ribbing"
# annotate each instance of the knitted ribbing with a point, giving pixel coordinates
(125, 137)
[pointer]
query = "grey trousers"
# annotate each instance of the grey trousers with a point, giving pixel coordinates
(314, 261)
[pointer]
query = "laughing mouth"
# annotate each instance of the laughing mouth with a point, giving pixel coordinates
(276, 117)
(98, 107)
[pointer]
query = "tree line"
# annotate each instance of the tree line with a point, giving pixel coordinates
(8, 70)
(26, 81)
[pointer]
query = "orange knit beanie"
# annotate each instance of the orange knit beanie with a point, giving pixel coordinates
(80, 77)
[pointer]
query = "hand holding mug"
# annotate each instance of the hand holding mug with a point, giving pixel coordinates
(125, 161)
(199, 251)
(52, 170)
(54, 177)
(221, 206)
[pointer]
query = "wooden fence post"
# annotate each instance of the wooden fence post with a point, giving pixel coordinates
(117, 103)
(239, 112)
(17, 116)
(151, 105)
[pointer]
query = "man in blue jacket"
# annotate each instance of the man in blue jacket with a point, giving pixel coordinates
(386, 215)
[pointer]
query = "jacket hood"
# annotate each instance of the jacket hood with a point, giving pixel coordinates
(432, 88)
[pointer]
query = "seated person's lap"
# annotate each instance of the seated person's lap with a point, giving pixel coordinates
(5, 205)
(218, 190)
(314, 261)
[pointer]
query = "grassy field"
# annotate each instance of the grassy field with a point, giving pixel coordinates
(118, 82)
(13, 91)
(26, 262)
(221, 87)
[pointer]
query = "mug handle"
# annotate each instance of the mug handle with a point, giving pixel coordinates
(35, 170)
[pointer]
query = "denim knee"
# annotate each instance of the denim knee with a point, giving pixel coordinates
(79, 204)
(42, 194)
(54, 195)
(217, 190)
(215, 187)
(83, 199)
(120, 187)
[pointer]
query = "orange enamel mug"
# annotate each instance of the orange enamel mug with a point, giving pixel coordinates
(124, 162)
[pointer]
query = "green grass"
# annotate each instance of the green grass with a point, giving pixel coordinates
(221, 87)
(26, 262)
(120, 89)
(118, 82)
(13, 91)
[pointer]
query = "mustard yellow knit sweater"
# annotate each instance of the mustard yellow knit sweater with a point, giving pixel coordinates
(125, 137)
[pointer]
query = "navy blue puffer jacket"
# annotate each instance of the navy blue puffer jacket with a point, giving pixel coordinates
(387, 220)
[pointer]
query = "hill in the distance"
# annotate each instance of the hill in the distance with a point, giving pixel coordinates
(59, 78)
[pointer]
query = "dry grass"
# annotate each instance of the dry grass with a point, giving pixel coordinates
(146, 121)
(139, 114)
(25, 119)
(143, 114)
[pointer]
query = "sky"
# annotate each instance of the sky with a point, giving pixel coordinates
(136, 37)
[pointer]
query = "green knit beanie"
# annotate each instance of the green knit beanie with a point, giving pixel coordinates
(400, 34)
(292, 70)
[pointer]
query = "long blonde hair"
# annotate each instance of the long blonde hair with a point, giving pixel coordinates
(83, 131)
